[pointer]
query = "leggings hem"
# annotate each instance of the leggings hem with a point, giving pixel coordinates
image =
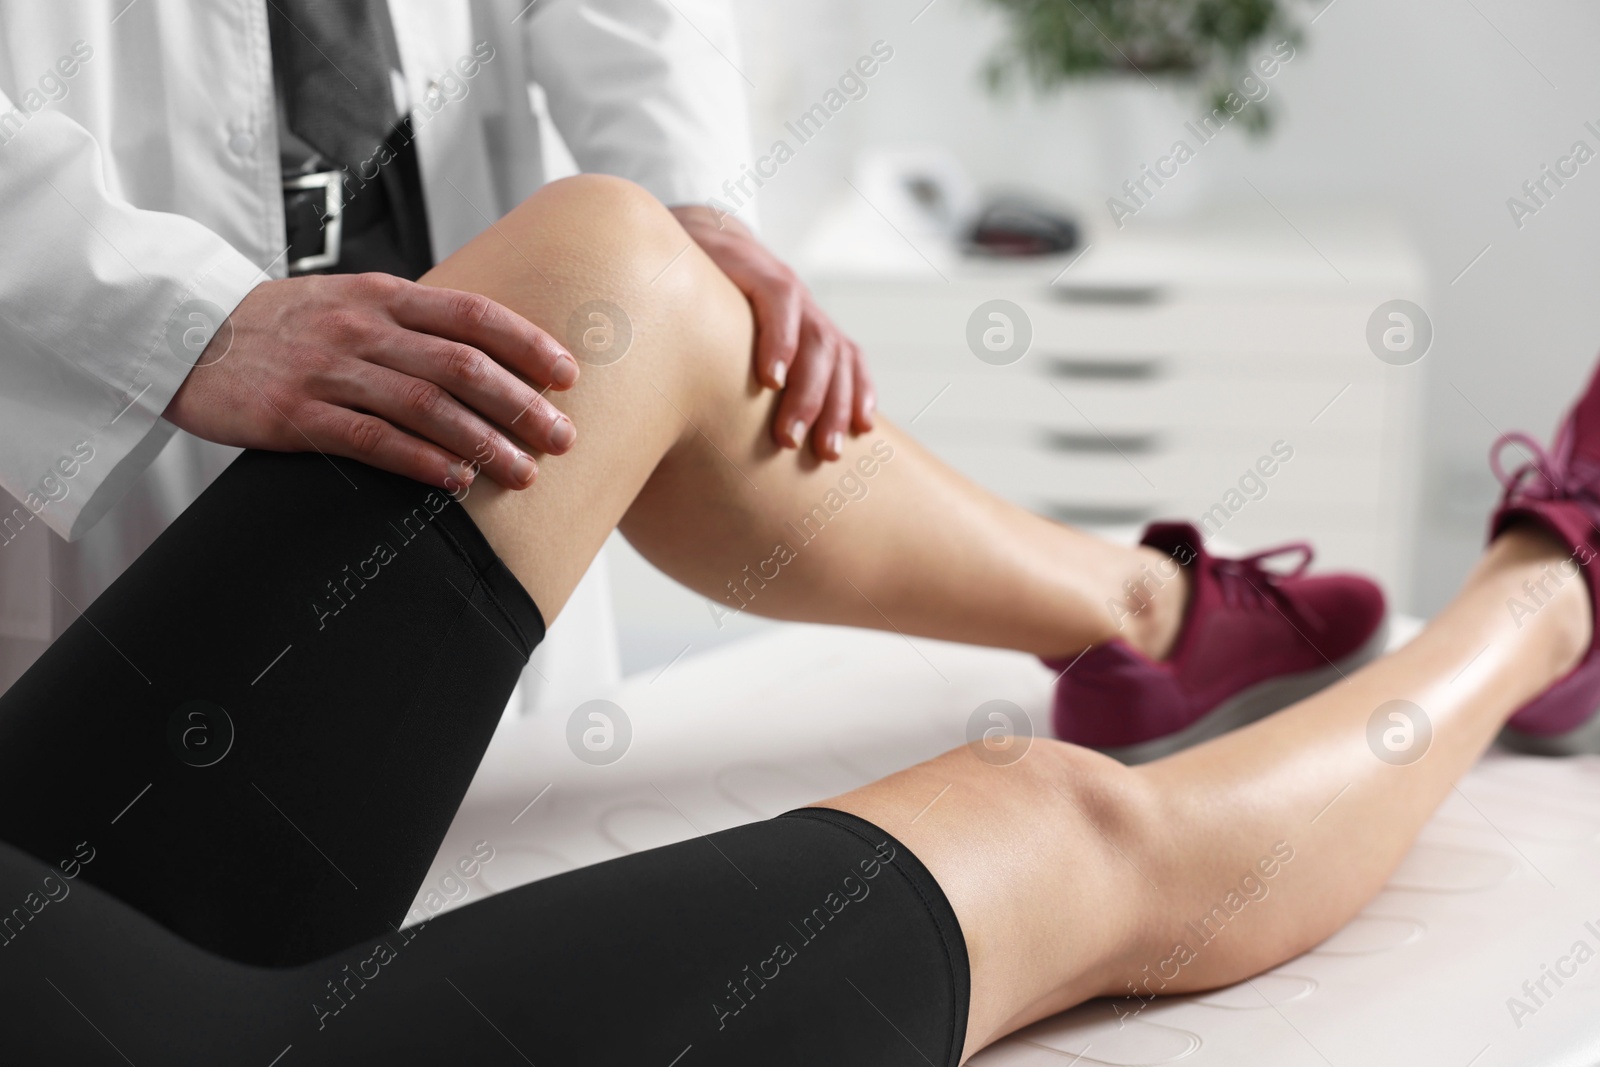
(513, 602)
(934, 902)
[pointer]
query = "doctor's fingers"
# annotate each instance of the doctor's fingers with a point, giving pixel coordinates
(474, 320)
(341, 432)
(827, 437)
(865, 406)
(470, 377)
(808, 386)
(439, 418)
(779, 304)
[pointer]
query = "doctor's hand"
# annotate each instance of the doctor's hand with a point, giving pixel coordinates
(827, 392)
(413, 379)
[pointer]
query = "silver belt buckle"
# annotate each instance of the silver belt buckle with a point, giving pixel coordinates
(332, 184)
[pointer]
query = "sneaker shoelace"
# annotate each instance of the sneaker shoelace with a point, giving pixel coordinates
(1544, 475)
(1247, 581)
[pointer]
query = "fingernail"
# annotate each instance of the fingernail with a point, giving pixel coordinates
(868, 408)
(780, 373)
(565, 372)
(523, 468)
(835, 443)
(563, 433)
(797, 432)
(466, 471)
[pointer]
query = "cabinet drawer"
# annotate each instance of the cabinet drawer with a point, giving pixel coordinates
(1196, 476)
(1271, 336)
(1169, 398)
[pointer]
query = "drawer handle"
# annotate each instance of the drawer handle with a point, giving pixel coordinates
(1100, 514)
(1090, 368)
(1107, 294)
(1127, 444)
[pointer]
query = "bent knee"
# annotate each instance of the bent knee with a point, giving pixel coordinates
(598, 256)
(604, 212)
(588, 236)
(598, 192)
(626, 247)
(661, 276)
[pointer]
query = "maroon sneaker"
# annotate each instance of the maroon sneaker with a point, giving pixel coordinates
(1560, 490)
(1253, 641)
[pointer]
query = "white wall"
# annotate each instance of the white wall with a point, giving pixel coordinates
(1422, 107)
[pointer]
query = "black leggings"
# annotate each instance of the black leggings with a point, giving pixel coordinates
(222, 787)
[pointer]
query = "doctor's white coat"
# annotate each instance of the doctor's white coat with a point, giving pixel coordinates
(140, 201)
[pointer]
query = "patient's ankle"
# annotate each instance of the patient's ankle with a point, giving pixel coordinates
(1155, 599)
(1546, 589)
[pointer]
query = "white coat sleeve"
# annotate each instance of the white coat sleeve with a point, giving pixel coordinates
(649, 90)
(103, 309)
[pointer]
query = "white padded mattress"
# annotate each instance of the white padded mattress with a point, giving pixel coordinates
(1501, 889)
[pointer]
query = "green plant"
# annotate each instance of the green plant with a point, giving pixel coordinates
(1206, 41)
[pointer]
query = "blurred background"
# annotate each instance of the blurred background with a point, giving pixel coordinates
(1214, 316)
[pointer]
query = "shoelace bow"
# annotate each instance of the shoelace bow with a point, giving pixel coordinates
(1545, 475)
(1246, 580)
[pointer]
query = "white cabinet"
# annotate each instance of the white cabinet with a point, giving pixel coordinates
(1218, 373)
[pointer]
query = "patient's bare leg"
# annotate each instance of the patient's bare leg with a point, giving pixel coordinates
(673, 446)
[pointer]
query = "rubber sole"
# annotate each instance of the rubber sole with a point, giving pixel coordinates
(1583, 741)
(1256, 702)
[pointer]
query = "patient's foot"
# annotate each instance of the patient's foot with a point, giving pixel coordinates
(1249, 640)
(1557, 494)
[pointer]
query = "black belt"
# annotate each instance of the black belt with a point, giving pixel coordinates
(313, 219)
(323, 211)
(369, 217)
